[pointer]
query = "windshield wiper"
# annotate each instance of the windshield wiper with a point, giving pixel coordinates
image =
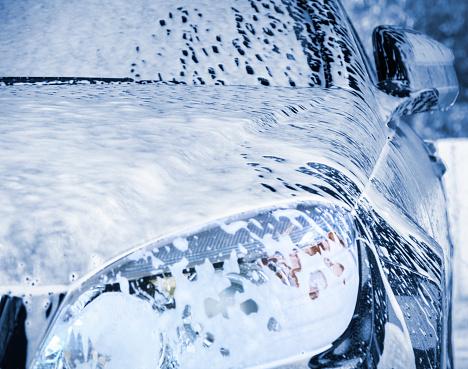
(63, 80)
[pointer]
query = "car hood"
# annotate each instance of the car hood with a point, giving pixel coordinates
(91, 171)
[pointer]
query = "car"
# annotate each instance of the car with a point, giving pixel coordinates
(250, 197)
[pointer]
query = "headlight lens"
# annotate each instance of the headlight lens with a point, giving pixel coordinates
(261, 289)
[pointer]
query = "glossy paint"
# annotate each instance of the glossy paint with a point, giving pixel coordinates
(91, 171)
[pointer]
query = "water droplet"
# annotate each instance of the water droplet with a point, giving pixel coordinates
(208, 340)
(273, 325)
(224, 352)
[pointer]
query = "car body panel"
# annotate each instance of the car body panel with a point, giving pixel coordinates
(89, 172)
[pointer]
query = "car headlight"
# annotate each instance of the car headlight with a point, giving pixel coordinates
(260, 289)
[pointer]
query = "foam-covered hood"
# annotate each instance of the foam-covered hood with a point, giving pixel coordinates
(89, 171)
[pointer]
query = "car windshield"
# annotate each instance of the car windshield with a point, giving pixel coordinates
(273, 43)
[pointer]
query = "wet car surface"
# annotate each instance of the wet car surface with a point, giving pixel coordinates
(274, 146)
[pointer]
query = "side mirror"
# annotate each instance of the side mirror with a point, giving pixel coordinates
(410, 63)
